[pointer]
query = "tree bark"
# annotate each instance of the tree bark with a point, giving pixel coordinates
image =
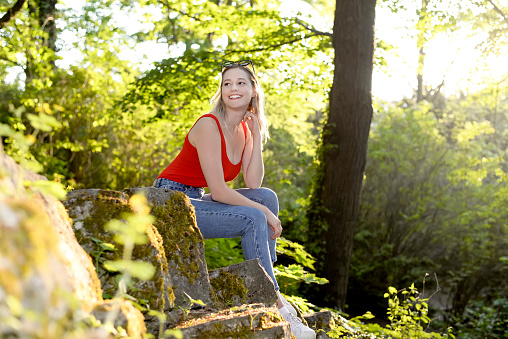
(11, 13)
(421, 41)
(47, 13)
(345, 138)
(44, 11)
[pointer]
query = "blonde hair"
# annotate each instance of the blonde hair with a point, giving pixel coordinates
(257, 103)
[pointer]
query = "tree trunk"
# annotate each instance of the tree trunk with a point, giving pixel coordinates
(44, 11)
(47, 13)
(345, 138)
(422, 27)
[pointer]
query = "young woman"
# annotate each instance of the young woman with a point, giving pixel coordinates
(229, 138)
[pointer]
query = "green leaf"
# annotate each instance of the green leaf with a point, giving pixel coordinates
(175, 333)
(367, 315)
(6, 130)
(132, 229)
(137, 269)
(295, 251)
(392, 290)
(52, 188)
(43, 121)
(297, 273)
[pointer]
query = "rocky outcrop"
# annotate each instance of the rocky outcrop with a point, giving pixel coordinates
(175, 248)
(50, 213)
(51, 265)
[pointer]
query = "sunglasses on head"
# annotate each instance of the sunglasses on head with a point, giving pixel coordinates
(244, 63)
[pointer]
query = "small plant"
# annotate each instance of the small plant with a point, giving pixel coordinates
(103, 247)
(408, 315)
(131, 231)
(293, 274)
(186, 310)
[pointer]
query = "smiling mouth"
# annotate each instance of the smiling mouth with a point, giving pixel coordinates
(235, 96)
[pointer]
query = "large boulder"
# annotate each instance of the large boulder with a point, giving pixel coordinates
(43, 270)
(175, 247)
(91, 209)
(33, 274)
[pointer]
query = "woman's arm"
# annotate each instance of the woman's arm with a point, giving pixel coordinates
(252, 162)
(205, 136)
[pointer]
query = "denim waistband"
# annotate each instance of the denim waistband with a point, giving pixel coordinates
(190, 191)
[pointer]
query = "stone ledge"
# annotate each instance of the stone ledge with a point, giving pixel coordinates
(248, 321)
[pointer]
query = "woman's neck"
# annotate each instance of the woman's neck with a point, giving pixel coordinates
(233, 118)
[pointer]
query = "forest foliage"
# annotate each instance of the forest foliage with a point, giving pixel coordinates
(436, 185)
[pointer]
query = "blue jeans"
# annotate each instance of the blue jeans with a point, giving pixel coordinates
(218, 220)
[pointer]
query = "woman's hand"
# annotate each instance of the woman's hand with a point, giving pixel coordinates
(252, 121)
(274, 224)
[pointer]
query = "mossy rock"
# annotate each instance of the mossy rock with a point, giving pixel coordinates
(79, 269)
(250, 321)
(182, 242)
(245, 282)
(322, 322)
(91, 209)
(229, 289)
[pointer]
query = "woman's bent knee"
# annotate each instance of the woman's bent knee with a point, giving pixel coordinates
(257, 216)
(269, 198)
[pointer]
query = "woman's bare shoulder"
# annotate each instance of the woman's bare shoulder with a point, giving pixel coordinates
(205, 127)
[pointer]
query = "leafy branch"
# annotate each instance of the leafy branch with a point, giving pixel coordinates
(271, 46)
(11, 13)
(499, 11)
(313, 30)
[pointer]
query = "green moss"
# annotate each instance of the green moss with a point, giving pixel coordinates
(228, 288)
(219, 332)
(104, 206)
(176, 222)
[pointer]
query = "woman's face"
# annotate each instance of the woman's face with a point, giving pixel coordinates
(237, 89)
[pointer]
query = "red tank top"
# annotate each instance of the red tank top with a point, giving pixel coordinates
(186, 168)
